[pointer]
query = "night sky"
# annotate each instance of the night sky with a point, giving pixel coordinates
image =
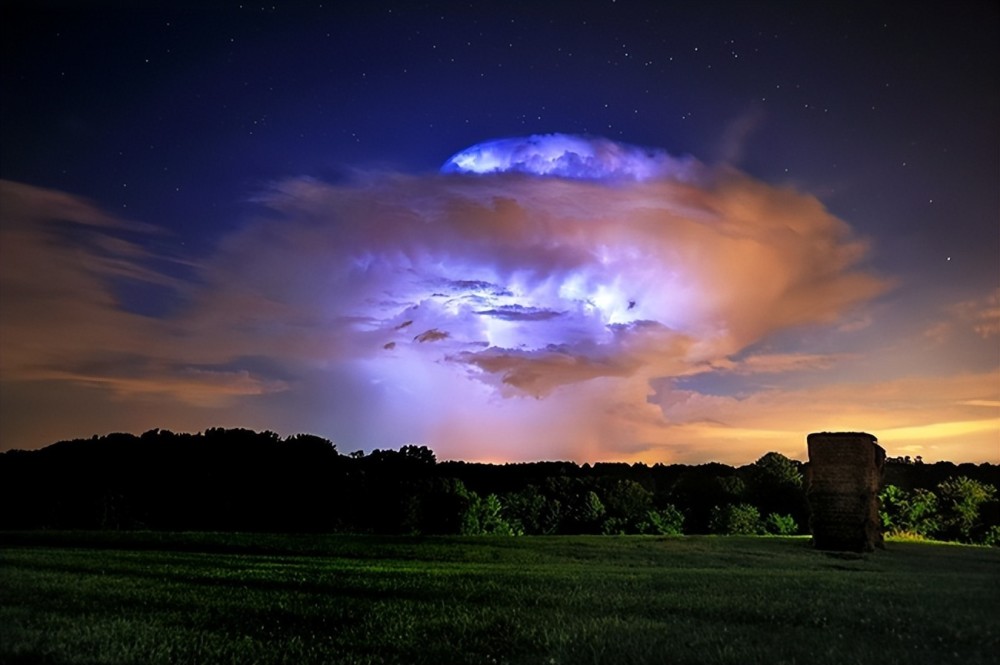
(619, 230)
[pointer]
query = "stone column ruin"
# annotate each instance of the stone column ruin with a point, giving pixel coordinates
(843, 477)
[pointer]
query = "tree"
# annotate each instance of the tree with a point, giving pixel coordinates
(698, 489)
(528, 511)
(311, 443)
(628, 504)
(587, 512)
(573, 505)
(419, 454)
(774, 485)
(239, 479)
(436, 506)
(484, 517)
(776, 469)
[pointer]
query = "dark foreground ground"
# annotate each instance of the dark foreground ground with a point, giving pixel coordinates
(224, 598)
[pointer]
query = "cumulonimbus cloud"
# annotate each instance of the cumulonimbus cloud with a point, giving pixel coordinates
(527, 293)
(535, 281)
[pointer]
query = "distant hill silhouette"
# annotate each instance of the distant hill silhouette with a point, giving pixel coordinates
(242, 480)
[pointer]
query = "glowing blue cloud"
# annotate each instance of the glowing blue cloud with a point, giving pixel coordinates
(569, 156)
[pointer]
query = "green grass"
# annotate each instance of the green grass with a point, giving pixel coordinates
(244, 598)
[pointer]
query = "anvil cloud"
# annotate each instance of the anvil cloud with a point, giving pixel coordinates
(538, 298)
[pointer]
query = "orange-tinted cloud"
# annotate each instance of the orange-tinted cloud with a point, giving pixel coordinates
(62, 321)
(490, 317)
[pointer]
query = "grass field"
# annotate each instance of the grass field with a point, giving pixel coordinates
(225, 598)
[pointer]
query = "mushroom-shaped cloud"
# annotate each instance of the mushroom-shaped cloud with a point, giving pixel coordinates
(543, 302)
(569, 156)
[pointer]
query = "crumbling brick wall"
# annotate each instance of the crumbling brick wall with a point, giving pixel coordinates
(844, 476)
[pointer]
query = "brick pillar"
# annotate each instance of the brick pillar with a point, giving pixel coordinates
(844, 476)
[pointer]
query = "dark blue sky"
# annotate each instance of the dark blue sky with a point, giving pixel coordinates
(181, 116)
(180, 113)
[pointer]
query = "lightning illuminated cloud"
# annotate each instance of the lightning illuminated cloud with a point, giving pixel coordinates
(568, 156)
(565, 270)
(515, 306)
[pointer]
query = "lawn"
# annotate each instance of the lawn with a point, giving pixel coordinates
(244, 598)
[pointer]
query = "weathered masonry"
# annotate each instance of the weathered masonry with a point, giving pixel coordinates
(844, 476)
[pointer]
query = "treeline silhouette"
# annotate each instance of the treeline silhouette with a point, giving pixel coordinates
(242, 480)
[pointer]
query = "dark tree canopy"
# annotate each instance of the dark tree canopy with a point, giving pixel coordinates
(242, 480)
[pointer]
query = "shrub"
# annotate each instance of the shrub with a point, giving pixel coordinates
(738, 518)
(961, 500)
(614, 526)
(909, 512)
(781, 525)
(667, 521)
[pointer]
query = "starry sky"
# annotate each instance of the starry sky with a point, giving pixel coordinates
(616, 230)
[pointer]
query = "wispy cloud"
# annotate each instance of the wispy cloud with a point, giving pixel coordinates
(983, 314)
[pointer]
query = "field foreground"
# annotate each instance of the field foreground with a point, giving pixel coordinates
(247, 598)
